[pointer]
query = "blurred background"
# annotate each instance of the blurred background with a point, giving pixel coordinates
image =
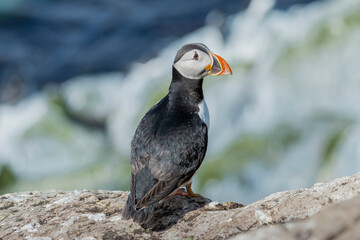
(77, 76)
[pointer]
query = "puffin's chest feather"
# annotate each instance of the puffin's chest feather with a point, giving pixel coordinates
(204, 113)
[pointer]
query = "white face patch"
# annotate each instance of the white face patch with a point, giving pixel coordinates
(204, 113)
(193, 63)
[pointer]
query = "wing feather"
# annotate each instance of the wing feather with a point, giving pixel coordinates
(156, 193)
(164, 155)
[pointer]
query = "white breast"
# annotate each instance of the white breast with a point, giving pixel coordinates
(204, 113)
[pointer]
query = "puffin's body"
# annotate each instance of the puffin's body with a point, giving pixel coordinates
(170, 142)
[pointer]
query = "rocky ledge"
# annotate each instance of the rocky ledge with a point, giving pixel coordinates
(327, 210)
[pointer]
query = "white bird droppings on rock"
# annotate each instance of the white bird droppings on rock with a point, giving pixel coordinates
(37, 238)
(65, 200)
(263, 217)
(70, 221)
(31, 227)
(116, 218)
(212, 204)
(96, 217)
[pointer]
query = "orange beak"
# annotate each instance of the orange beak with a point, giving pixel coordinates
(219, 66)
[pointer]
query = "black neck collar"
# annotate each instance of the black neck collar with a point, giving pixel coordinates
(182, 88)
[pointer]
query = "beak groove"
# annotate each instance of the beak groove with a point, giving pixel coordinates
(219, 66)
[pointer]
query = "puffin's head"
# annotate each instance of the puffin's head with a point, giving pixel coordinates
(196, 61)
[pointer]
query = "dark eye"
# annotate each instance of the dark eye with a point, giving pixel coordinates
(196, 56)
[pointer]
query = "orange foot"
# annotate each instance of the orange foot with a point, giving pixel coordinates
(179, 191)
(190, 193)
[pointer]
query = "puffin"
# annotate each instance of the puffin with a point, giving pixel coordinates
(170, 142)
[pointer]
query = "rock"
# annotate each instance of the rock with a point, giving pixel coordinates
(339, 221)
(97, 215)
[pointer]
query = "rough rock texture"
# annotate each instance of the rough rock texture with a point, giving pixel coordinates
(97, 215)
(340, 221)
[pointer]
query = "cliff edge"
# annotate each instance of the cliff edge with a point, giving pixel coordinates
(327, 210)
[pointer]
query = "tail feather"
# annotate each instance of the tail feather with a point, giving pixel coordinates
(129, 209)
(142, 211)
(140, 216)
